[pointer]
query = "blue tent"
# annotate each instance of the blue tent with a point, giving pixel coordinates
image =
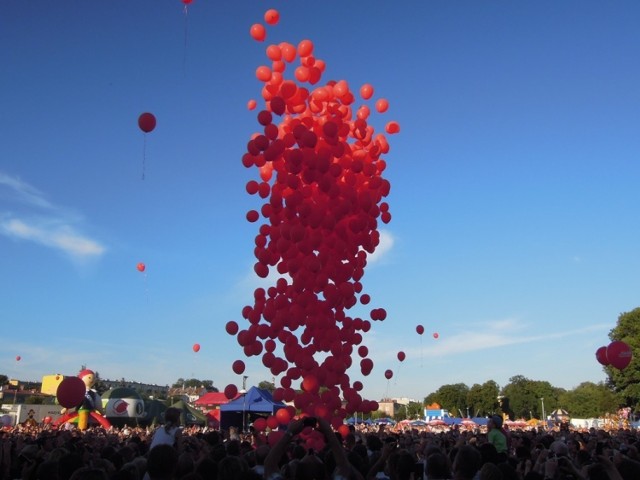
(353, 421)
(253, 404)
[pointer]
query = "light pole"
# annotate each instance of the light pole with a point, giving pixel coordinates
(544, 416)
(244, 403)
(467, 412)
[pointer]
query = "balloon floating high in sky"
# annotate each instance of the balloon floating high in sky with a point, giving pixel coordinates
(320, 167)
(146, 123)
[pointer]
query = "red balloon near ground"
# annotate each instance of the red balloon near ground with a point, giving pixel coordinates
(141, 267)
(238, 367)
(260, 424)
(601, 356)
(70, 392)
(420, 329)
(283, 416)
(388, 374)
(147, 122)
(230, 391)
(619, 354)
(196, 347)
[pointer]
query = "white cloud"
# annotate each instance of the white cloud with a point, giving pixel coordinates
(23, 192)
(386, 244)
(56, 229)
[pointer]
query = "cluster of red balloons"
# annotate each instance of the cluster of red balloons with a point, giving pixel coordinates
(617, 354)
(320, 166)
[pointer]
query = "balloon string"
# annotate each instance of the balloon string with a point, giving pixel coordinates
(144, 154)
(186, 28)
(421, 351)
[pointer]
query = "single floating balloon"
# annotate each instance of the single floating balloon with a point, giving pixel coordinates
(252, 104)
(147, 122)
(601, 356)
(619, 354)
(388, 374)
(18, 358)
(196, 347)
(70, 392)
(230, 391)
(401, 356)
(271, 17)
(258, 32)
(420, 329)
(436, 335)
(141, 267)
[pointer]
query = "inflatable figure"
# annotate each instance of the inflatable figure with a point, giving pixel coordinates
(89, 406)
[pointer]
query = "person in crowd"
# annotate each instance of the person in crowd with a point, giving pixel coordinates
(170, 433)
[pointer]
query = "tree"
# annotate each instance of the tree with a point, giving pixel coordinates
(265, 385)
(526, 396)
(194, 382)
(482, 400)
(3, 379)
(589, 400)
(450, 397)
(627, 382)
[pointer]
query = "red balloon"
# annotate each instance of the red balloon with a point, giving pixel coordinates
(238, 367)
(230, 391)
(147, 122)
(619, 354)
(388, 374)
(271, 16)
(141, 267)
(187, 2)
(252, 104)
(260, 424)
(420, 329)
(283, 416)
(18, 358)
(70, 392)
(601, 356)
(196, 347)
(366, 91)
(258, 32)
(436, 335)
(231, 327)
(272, 422)
(401, 356)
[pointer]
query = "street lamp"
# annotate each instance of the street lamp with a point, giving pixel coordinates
(244, 403)
(544, 416)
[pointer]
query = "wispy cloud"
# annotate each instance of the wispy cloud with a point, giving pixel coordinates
(19, 191)
(495, 334)
(44, 223)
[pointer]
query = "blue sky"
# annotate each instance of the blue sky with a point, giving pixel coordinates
(513, 184)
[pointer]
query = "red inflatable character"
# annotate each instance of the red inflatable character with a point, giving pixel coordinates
(90, 405)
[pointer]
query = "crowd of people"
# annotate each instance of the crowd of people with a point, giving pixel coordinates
(311, 449)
